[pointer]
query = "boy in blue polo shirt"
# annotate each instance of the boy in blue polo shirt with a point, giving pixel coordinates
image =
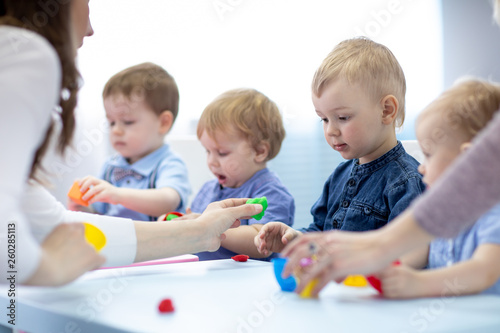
(242, 130)
(358, 92)
(146, 178)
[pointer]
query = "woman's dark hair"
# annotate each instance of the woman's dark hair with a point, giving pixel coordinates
(2, 8)
(55, 26)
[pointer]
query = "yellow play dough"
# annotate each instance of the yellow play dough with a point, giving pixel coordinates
(94, 236)
(355, 281)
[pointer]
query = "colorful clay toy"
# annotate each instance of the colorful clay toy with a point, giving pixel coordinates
(262, 201)
(172, 215)
(94, 236)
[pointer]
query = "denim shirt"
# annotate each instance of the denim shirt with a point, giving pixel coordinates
(365, 197)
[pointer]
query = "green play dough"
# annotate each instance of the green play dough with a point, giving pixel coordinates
(261, 201)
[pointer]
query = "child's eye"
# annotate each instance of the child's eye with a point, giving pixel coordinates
(111, 123)
(344, 118)
(323, 120)
(223, 153)
(129, 122)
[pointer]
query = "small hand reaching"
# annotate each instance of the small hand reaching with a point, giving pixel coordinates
(273, 237)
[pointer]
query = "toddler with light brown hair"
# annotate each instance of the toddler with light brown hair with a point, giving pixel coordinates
(242, 130)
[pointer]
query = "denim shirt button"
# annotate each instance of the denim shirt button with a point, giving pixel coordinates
(352, 182)
(367, 211)
(345, 204)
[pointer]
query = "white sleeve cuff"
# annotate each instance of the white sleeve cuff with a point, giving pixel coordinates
(121, 240)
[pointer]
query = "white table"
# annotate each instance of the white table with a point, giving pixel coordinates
(228, 296)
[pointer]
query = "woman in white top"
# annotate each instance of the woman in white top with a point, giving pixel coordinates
(38, 43)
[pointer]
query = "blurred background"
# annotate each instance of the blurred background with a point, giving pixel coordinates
(274, 46)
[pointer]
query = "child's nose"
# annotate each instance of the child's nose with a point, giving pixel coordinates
(212, 160)
(117, 130)
(332, 129)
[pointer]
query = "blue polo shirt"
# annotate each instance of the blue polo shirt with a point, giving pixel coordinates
(365, 197)
(170, 172)
(281, 205)
(446, 252)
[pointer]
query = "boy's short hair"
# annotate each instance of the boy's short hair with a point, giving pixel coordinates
(148, 82)
(250, 112)
(468, 105)
(362, 61)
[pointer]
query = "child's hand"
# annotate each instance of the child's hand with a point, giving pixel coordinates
(400, 281)
(98, 190)
(273, 237)
(189, 215)
(71, 205)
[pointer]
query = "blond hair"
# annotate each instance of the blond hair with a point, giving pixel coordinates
(372, 65)
(467, 106)
(147, 82)
(249, 112)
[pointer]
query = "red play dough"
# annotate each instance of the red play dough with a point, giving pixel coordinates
(166, 306)
(240, 257)
(375, 282)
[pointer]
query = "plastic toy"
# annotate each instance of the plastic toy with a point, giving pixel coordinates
(288, 284)
(94, 236)
(262, 201)
(306, 292)
(355, 281)
(375, 282)
(240, 257)
(172, 215)
(166, 306)
(75, 195)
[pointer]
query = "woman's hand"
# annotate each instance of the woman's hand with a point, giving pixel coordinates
(222, 215)
(65, 256)
(337, 254)
(341, 253)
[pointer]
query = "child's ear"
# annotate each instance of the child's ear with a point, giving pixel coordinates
(262, 151)
(166, 120)
(465, 146)
(390, 107)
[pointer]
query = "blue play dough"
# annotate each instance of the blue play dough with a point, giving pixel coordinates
(288, 284)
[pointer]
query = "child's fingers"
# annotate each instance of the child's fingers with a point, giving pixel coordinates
(93, 194)
(87, 183)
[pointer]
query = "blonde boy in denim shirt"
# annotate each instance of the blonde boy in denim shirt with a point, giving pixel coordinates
(359, 94)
